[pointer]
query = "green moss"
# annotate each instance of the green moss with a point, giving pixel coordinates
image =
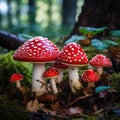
(114, 80)
(8, 66)
(12, 110)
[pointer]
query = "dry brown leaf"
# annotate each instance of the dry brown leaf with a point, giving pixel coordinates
(25, 90)
(56, 106)
(48, 98)
(41, 105)
(33, 105)
(48, 111)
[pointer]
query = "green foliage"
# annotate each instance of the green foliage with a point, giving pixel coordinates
(24, 36)
(75, 38)
(9, 66)
(102, 45)
(96, 43)
(115, 33)
(114, 80)
(101, 88)
(91, 51)
(11, 110)
(93, 31)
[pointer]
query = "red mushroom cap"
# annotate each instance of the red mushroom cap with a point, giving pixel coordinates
(16, 77)
(72, 54)
(100, 61)
(90, 76)
(37, 49)
(51, 72)
(59, 65)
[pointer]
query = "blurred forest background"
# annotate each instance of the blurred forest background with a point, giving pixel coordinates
(50, 18)
(94, 24)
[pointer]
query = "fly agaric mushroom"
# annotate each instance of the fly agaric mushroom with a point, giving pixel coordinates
(17, 77)
(52, 73)
(100, 61)
(90, 76)
(38, 50)
(60, 67)
(73, 56)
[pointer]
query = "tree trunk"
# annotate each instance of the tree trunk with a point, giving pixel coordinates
(18, 4)
(49, 13)
(31, 4)
(10, 41)
(99, 13)
(9, 16)
(69, 12)
(1, 19)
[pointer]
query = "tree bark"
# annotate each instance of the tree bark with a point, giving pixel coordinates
(10, 41)
(9, 16)
(18, 4)
(99, 13)
(69, 12)
(31, 12)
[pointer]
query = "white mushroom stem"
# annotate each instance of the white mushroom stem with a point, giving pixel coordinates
(74, 81)
(53, 85)
(18, 84)
(60, 76)
(99, 70)
(38, 83)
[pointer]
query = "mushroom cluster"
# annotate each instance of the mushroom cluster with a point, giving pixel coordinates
(38, 50)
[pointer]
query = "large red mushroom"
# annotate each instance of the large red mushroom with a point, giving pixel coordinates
(99, 61)
(38, 50)
(73, 56)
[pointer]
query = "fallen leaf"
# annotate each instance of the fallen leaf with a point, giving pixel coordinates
(33, 105)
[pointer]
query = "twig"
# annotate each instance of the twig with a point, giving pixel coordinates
(80, 98)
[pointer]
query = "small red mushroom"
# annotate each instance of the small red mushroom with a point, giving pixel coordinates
(52, 73)
(38, 50)
(100, 61)
(90, 76)
(60, 67)
(73, 56)
(17, 77)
